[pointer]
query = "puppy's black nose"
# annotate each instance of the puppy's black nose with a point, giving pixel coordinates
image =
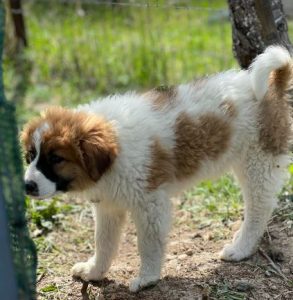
(31, 188)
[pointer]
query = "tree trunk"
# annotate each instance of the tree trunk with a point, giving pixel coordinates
(257, 24)
(18, 21)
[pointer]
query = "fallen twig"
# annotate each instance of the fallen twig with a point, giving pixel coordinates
(283, 294)
(41, 276)
(273, 265)
(83, 291)
(277, 214)
(269, 236)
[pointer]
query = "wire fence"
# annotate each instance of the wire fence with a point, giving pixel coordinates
(17, 251)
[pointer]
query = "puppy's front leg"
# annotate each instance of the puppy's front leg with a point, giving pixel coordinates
(108, 224)
(152, 221)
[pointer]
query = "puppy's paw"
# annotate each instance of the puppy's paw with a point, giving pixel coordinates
(143, 282)
(232, 252)
(87, 271)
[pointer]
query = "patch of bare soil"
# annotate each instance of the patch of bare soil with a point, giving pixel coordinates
(192, 269)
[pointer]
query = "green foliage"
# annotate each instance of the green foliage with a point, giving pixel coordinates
(49, 288)
(72, 59)
(218, 200)
(222, 201)
(44, 214)
(224, 292)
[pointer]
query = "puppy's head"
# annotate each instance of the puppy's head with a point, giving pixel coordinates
(66, 151)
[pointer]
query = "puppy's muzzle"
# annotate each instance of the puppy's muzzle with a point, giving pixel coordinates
(31, 188)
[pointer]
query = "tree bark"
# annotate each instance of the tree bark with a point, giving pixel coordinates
(18, 21)
(257, 24)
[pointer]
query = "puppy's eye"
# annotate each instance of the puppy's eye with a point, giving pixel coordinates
(30, 156)
(55, 159)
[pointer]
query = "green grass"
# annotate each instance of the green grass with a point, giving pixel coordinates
(224, 292)
(43, 215)
(49, 288)
(219, 200)
(73, 59)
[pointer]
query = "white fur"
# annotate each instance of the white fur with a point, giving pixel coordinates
(46, 187)
(123, 187)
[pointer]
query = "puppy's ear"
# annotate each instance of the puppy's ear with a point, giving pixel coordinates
(99, 149)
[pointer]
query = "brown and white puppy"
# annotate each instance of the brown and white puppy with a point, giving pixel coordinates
(132, 152)
(66, 151)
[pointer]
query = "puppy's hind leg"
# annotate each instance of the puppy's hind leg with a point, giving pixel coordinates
(108, 224)
(152, 220)
(261, 176)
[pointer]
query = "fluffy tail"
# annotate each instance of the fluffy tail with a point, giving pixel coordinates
(275, 58)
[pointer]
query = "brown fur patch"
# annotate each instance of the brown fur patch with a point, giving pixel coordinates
(196, 139)
(27, 133)
(275, 119)
(206, 137)
(161, 169)
(228, 108)
(275, 114)
(87, 143)
(280, 79)
(72, 167)
(74, 170)
(162, 97)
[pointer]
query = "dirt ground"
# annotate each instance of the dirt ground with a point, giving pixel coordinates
(192, 269)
